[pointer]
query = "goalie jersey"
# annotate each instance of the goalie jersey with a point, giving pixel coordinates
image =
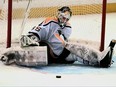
(51, 32)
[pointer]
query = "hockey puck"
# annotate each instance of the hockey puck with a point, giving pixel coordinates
(58, 76)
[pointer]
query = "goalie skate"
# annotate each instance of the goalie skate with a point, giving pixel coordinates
(28, 56)
(107, 60)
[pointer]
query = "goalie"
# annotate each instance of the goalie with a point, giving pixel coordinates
(54, 33)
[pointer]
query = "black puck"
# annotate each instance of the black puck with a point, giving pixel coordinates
(58, 76)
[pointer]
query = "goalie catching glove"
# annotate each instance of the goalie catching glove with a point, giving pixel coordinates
(29, 40)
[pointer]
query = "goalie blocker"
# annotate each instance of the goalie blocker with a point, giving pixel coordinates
(27, 56)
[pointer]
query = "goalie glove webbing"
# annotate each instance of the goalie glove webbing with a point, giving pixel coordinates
(29, 40)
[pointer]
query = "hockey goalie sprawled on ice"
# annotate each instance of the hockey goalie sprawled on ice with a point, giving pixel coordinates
(48, 43)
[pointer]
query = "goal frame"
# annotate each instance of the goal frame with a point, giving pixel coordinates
(9, 26)
(103, 24)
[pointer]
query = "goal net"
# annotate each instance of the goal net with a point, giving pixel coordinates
(86, 21)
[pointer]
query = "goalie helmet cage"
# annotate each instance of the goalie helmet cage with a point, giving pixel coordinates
(103, 19)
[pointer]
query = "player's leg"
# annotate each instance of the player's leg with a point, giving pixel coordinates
(84, 54)
(89, 55)
(28, 56)
(73, 57)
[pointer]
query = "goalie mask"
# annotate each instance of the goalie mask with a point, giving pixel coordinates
(64, 15)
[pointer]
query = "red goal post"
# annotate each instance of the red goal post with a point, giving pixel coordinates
(78, 7)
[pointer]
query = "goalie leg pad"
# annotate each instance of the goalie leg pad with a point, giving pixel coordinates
(84, 53)
(29, 56)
